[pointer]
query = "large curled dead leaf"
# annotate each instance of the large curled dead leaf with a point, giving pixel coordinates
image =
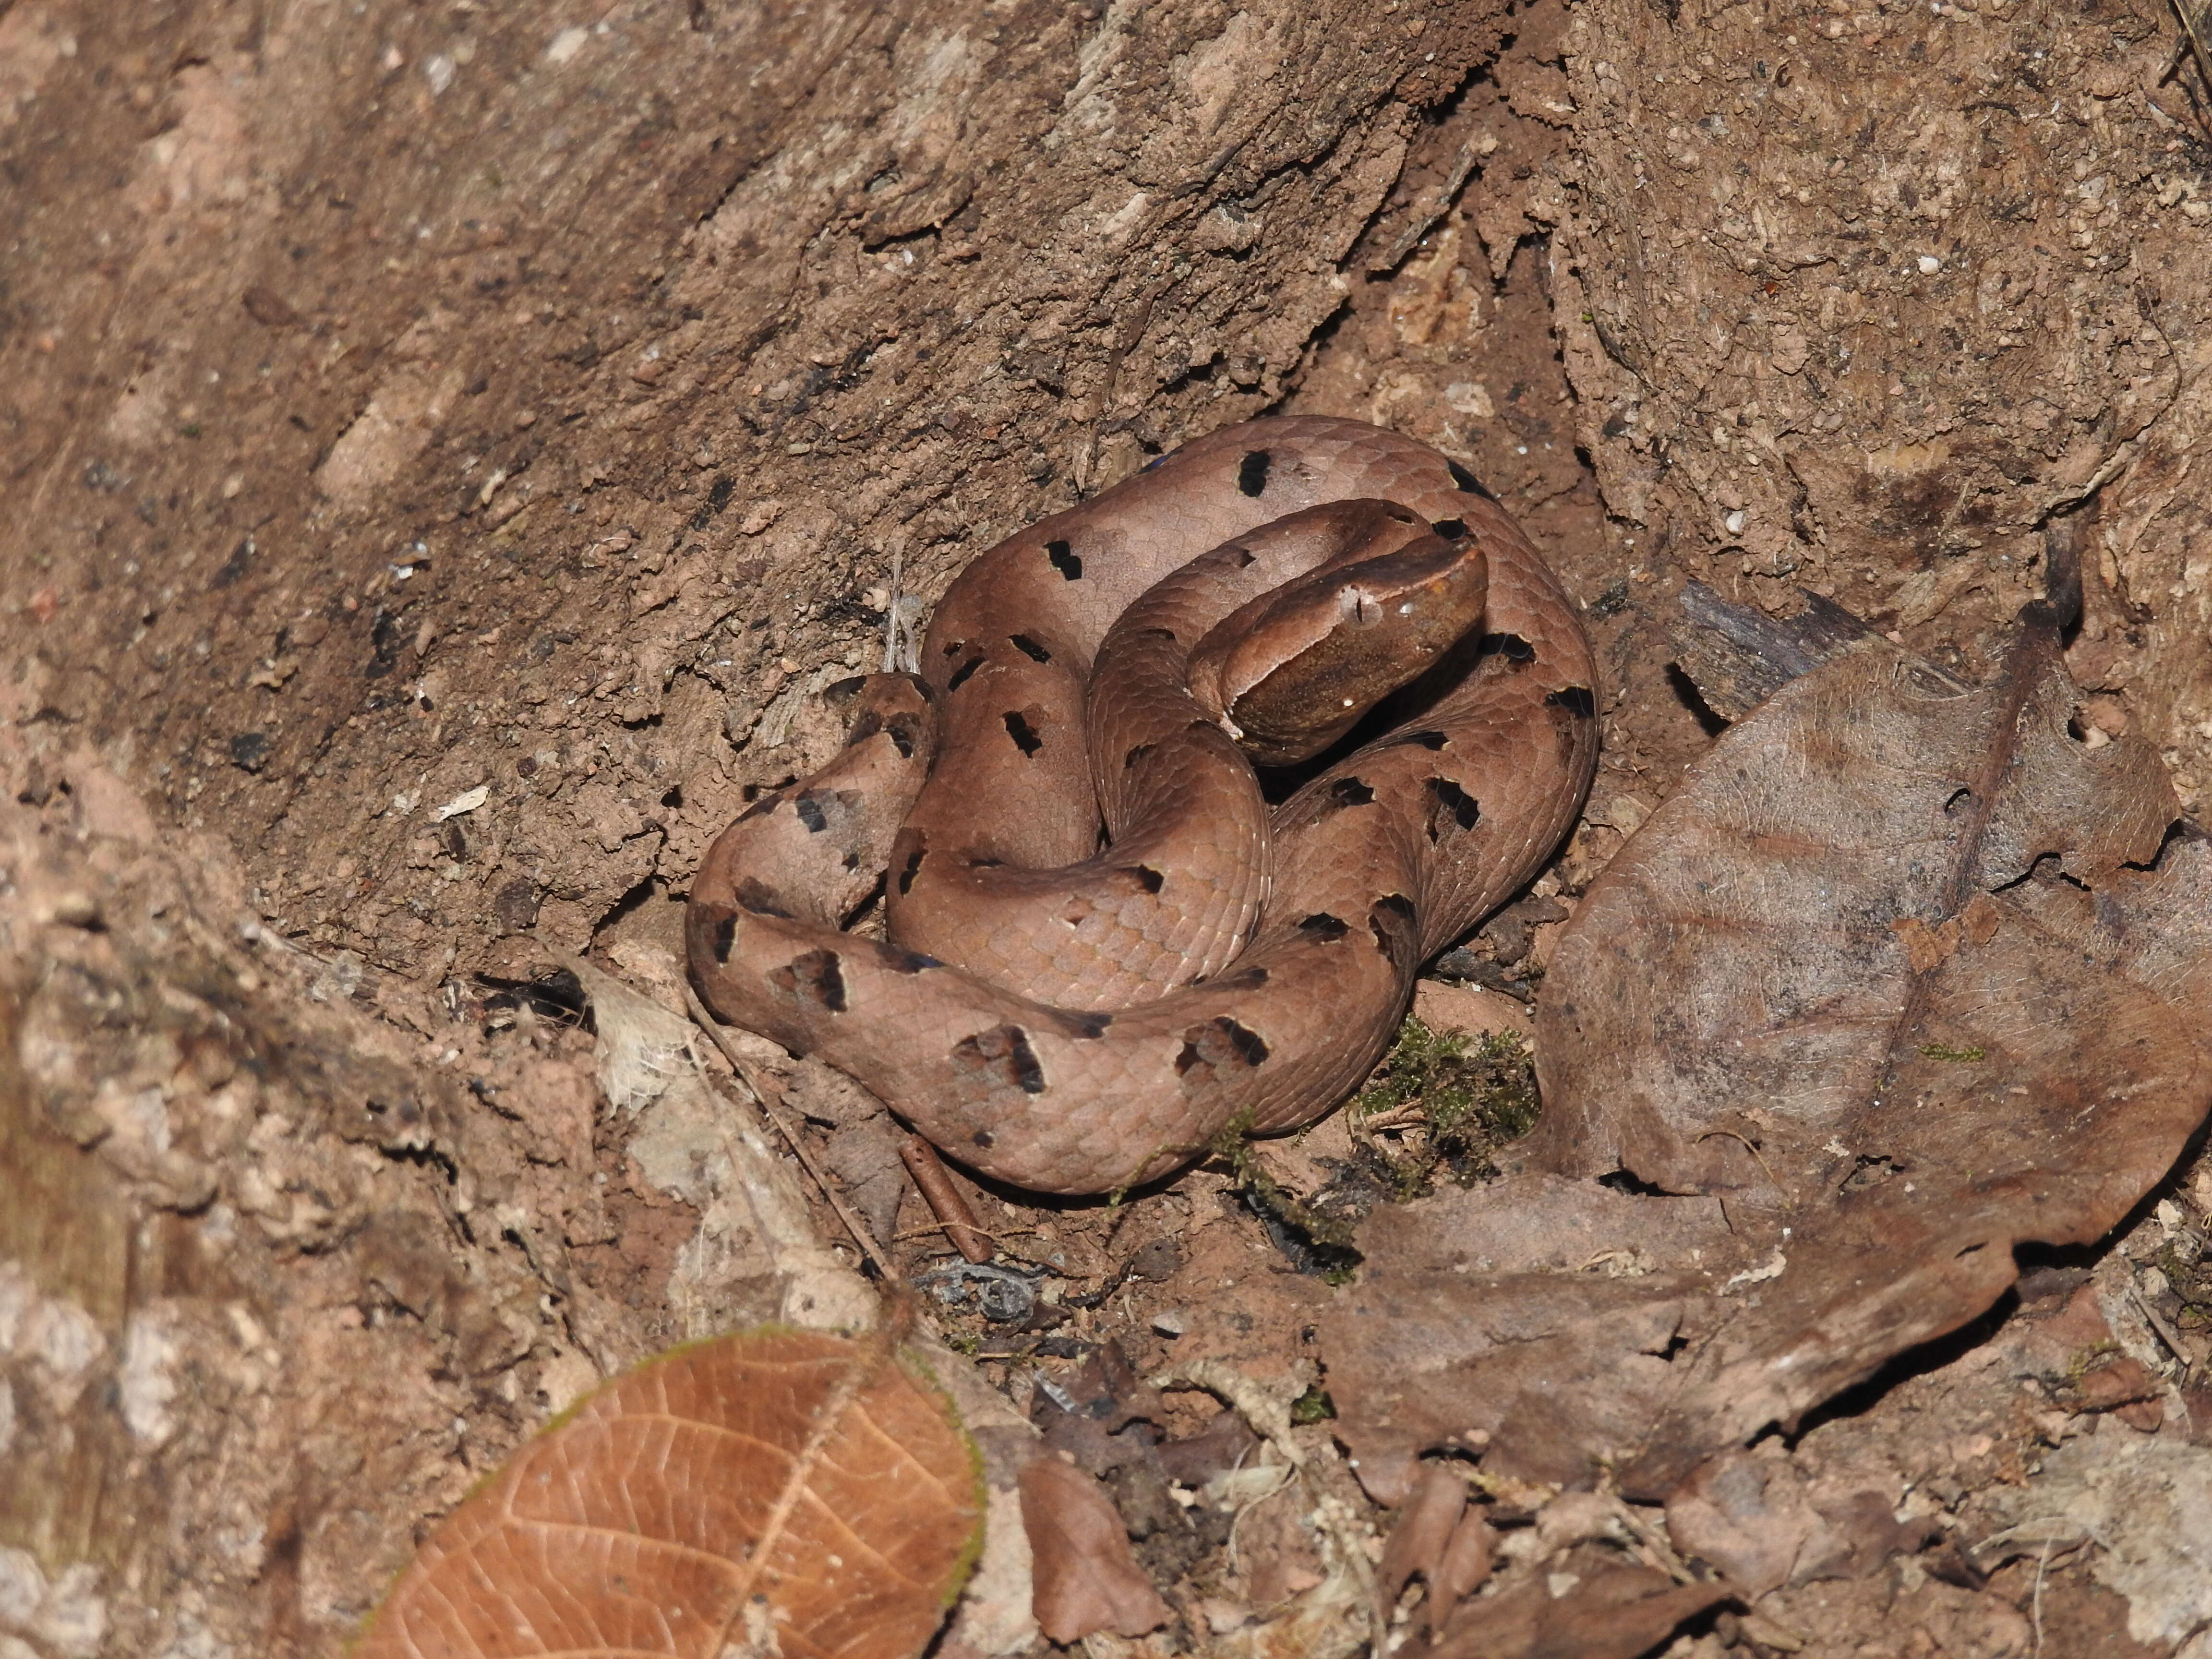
(776, 1492)
(1901, 978)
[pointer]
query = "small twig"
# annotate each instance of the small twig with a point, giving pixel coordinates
(2036, 1602)
(2165, 1332)
(902, 623)
(944, 1199)
(1125, 341)
(854, 1225)
(2189, 16)
(998, 1235)
(1658, 1550)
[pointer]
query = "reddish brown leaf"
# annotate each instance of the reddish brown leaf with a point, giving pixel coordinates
(1423, 1533)
(1440, 1536)
(1467, 1561)
(1595, 1608)
(1878, 977)
(1086, 1581)
(780, 1491)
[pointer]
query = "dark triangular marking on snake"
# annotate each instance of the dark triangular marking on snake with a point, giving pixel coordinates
(913, 868)
(1512, 646)
(1451, 530)
(757, 896)
(899, 728)
(723, 936)
(1576, 699)
(1466, 481)
(1001, 1055)
(1023, 734)
(1323, 926)
(1351, 791)
(1391, 918)
(1218, 1042)
(817, 976)
(809, 808)
(1252, 471)
(1064, 559)
(960, 674)
(1250, 1046)
(1030, 648)
(1454, 802)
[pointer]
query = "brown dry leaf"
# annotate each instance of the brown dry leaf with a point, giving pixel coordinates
(776, 1492)
(1423, 1533)
(1588, 1606)
(1086, 1579)
(1437, 1536)
(1879, 993)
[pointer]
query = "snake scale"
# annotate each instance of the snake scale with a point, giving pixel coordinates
(1071, 1016)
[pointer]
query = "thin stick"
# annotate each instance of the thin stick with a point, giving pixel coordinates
(2042, 1561)
(1773, 1180)
(854, 1225)
(944, 1199)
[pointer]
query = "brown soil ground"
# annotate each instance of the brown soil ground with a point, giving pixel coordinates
(448, 449)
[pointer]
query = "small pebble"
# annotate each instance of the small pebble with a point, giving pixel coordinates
(75, 909)
(1168, 1323)
(1156, 1262)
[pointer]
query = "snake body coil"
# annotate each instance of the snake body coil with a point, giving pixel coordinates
(1070, 1020)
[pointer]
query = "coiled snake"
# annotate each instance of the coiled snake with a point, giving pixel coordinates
(1069, 1019)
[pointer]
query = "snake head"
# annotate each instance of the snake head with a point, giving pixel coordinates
(1291, 673)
